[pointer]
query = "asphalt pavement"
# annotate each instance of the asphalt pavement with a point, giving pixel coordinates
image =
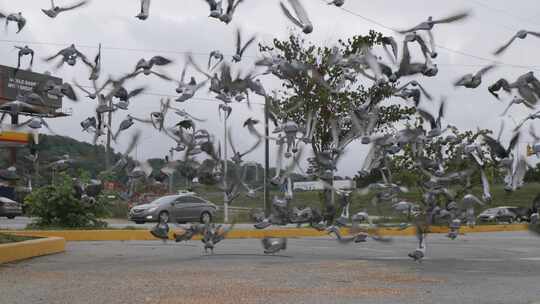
(22, 222)
(476, 268)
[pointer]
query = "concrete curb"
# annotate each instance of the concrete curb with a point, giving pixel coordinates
(144, 235)
(28, 249)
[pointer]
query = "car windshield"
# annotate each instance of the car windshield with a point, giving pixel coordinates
(491, 211)
(163, 200)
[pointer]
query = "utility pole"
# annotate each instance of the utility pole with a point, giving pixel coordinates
(266, 202)
(225, 195)
(13, 150)
(108, 147)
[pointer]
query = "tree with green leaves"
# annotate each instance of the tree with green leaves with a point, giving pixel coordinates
(57, 205)
(328, 91)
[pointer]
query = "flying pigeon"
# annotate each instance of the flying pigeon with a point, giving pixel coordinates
(239, 48)
(338, 3)
(55, 10)
(231, 8)
(216, 8)
(301, 20)
(522, 34)
(17, 18)
(24, 51)
(472, 81)
(430, 23)
(145, 10)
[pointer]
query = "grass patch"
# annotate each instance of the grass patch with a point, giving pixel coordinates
(8, 238)
(520, 198)
(82, 228)
(118, 209)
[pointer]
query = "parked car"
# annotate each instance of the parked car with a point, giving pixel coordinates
(180, 208)
(523, 214)
(499, 214)
(10, 208)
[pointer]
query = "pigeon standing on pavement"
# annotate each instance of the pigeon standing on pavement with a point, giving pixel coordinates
(418, 254)
(161, 230)
(272, 246)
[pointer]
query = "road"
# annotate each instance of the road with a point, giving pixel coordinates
(476, 268)
(22, 222)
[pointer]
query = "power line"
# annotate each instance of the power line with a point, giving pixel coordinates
(373, 21)
(156, 51)
(503, 26)
(158, 94)
(112, 48)
(500, 11)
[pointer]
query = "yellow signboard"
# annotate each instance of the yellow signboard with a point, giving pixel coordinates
(10, 137)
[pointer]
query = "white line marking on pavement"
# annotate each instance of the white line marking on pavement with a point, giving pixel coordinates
(531, 259)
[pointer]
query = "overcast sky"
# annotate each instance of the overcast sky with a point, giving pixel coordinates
(175, 27)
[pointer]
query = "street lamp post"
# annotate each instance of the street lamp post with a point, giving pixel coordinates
(225, 195)
(266, 202)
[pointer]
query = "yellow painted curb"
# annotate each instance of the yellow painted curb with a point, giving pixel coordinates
(28, 249)
(144, 235)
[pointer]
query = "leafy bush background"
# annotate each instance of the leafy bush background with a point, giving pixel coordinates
(55, 205)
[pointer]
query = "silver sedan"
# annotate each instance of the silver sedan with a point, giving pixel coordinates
(179, 208)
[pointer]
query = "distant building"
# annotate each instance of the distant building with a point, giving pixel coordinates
(317, 185)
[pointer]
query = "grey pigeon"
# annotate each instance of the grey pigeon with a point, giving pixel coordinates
(522, 34)
(96, 66)
(69, 56)
(216, 8)
(55, 10)
(124, 125)
(215, 55)
(231, 8)
(161, 230)
(9, 174)
(418, 254)
(272, 246)
(60, 90)
(145, 66)
(301, 20)
(472, 81)
(338, 3)
(17, 18)
(24, 51)
(430, 23)
(145, 10)
(239, 48)
(89, 123)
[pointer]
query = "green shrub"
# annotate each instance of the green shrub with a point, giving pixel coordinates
(118, 209)
(56, 205)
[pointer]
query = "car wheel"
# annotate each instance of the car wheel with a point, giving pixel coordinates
(510, 220)
(139, 222)
(11, 217)
(206, 218)
(518, 220)
(163, 217)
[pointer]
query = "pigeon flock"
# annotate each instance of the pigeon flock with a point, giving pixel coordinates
(441, 203)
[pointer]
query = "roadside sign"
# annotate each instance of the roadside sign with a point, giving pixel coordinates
(11, 137)
(15, 82)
